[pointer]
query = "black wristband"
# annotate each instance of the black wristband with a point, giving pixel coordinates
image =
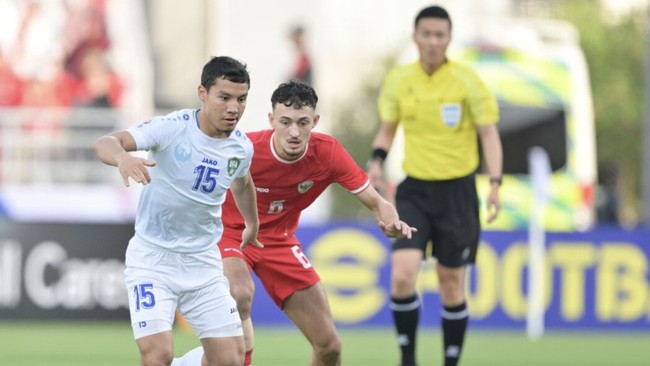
(379, 154)
(497, 180)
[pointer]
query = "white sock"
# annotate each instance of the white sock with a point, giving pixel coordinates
(191, 358)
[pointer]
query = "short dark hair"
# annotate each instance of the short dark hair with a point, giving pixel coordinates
(432, 12)
(224, 67)
(297, 30)
(294, 93)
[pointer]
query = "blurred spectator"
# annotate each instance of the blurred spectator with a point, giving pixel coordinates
(99, 85)
(53, 54)
(38, 44)
(52, 87)
(607, 201)
(85, 30)
(10, 84)
(10, 19)
(51, 93)
(303, 67)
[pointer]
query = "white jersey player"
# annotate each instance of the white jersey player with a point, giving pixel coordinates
(172, 262)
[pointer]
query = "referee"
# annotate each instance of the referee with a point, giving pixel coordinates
(442, 107)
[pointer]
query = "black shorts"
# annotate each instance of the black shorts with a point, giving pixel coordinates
(445, 213)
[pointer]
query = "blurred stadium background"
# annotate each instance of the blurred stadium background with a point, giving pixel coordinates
(569, 76)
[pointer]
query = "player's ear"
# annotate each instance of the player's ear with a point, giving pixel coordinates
(202, 93)
(271, 118)
(316, 119)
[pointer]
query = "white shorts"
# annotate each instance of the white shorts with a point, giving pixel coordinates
(159, 282)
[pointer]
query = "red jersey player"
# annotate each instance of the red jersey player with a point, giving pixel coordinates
(291, 167)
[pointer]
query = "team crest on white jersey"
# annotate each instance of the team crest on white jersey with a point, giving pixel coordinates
(183, 151)
(305, 186)
(233, 164)
(451, 114)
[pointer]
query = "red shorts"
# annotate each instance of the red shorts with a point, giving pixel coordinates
(281, 267)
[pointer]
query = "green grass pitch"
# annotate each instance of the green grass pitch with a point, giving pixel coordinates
(111, 344)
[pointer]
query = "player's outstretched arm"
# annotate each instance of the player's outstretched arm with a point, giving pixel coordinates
(243, 191)
(113, 149)
(386, 214)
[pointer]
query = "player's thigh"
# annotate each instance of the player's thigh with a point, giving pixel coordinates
(224, 350)
(242, 286)
(156, 348)
(152, 300)
(211, 311)
(284, 270)
(309, 310)
(152, 306)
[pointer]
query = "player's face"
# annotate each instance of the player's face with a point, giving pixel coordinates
(432, 36)
(221, 107)
(292, 129)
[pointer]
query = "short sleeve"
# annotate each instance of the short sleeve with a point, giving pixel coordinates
(156, 133)
(482, 103)
(346, 171)
(387, 102)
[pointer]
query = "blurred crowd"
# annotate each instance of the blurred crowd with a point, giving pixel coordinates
(54, 54)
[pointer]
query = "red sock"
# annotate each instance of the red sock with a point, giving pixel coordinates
(247, 357)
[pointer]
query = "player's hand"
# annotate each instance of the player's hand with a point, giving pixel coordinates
(249, 236)
(134, 168)
(397, 230)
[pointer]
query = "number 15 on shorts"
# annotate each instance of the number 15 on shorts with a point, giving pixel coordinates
(144, 298)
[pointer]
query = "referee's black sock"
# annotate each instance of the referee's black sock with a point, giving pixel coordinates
(454, 324)
(406, 314)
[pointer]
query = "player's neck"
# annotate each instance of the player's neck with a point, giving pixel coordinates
(208, 129)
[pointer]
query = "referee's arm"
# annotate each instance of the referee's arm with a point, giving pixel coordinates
(380, 147)
(493, 154)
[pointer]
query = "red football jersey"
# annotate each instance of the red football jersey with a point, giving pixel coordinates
(285, 188)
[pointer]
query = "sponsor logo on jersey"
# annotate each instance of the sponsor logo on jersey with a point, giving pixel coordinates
(183, 151)
(262, 190)
(232, 250)
(207, 160)
(451, 114)
(305, 186)
(233, 165)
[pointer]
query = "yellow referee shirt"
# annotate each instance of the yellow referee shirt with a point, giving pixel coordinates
(440, 114)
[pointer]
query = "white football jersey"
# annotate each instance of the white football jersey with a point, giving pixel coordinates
(180, 210)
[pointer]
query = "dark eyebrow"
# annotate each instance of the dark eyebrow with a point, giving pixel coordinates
(226, 94)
